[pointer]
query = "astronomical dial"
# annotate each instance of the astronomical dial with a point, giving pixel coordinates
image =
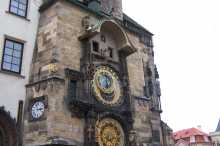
(37, 109)
(106, 86)
(109, 133)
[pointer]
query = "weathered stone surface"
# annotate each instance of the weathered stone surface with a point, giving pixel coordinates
(58, 48)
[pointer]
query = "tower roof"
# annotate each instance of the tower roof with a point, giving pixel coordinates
(218, 127)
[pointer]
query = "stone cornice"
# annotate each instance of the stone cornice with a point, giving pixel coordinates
(57, 78)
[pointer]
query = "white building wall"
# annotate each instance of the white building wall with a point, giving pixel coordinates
(12, 88)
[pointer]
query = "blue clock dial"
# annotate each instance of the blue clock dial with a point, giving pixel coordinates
(105, 81)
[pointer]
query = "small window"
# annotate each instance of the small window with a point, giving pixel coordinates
(149, 72)
(18, 7)
(110, 50)
(95, 46)
(12, 56)
(150, 87)
(73, 88)
(103, 38)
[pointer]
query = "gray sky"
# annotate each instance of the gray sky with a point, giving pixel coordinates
(187, 53)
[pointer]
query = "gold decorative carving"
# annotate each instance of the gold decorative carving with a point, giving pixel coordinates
(52, 68)
(109, 133)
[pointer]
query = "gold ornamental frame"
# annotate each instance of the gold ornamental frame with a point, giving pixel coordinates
(109, 132)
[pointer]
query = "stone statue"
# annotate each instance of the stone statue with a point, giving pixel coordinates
(133, 138)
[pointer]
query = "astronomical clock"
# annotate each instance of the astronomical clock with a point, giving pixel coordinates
(106, 89)
(104, 102)
(106, 86)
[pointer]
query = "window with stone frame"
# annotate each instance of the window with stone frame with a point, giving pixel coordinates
(146, 39)
(12, 56)
(18, 7)
(73, 88)
(150, 87)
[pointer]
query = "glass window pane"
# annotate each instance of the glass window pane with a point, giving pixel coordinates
(14, 3)
(21, 12)
(23, 1)
(7, 58)
(6, 66)
(8, 51)
(12, 56)
(13, 9)
(17, 53)
(9, 44)
(17, 46)
(22, 7)
(15, 68)
(16, 61)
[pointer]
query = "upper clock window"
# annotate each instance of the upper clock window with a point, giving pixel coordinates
(95, 46)
(18, 7)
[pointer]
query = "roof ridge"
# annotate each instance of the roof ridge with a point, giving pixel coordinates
(188, 132)
(184, 130)
(128, 18)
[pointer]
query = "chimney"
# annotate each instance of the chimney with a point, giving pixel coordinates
(112, 7)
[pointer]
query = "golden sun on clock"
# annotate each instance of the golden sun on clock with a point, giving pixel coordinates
(109, 133)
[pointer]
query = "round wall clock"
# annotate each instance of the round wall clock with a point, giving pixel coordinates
(109, 133)
(37, 109)
(106, 86)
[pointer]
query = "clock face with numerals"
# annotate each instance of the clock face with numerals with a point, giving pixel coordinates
(109, 133)
(106, 86)
(37, 109)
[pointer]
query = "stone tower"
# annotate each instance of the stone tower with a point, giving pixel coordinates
(93, 80)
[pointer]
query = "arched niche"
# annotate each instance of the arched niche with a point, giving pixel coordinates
(114, 36)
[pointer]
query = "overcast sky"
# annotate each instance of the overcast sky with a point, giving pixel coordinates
(187, 53)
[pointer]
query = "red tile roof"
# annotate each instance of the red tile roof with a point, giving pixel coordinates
(186, 133)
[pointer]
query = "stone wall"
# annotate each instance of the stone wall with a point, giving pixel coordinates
(146, 122)
(57, 45)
